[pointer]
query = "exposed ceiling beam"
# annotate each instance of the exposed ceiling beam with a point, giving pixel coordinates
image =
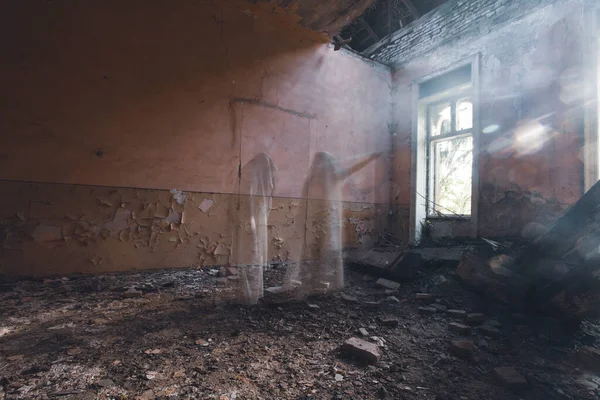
(366, 25)
(411, 7)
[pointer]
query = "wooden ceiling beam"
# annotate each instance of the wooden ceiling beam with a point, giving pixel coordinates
(370, 30)
(411, 7)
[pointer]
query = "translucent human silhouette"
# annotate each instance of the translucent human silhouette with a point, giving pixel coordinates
(250, 237)
(323, 189)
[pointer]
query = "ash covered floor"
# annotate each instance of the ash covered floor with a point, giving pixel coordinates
(93, 337)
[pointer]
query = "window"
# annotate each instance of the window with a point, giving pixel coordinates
(450, 155)
(444, 171)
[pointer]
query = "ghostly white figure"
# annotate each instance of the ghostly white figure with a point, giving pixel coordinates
(250, 241)
(325, 181)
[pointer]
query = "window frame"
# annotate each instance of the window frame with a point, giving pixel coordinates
(418, 209)
(451, 96)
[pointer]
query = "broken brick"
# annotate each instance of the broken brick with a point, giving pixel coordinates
(385, 283)
(427, 310)
(132, 292)
(426, 297)
(475, 318)
(458, 314)
(389, 321)
(232, 271)
(462, 349)
(461, 329)
(510, 377)
(361, 349)
(348, 298)
(489, 331)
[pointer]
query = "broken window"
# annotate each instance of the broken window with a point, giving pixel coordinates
(450, 155)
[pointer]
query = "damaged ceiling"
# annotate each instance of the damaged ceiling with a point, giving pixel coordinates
(358, 23)
(383, 18)
(325, 16)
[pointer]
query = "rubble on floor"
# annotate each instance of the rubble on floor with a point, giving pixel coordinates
(81, 338)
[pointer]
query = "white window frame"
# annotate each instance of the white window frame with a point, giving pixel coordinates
(420, 148)
(454, 95)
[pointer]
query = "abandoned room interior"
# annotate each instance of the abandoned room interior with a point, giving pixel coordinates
(300, 199)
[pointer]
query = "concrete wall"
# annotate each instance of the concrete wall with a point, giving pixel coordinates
(106, 106)
(531, 72)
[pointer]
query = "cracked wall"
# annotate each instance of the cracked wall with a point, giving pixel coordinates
(531, 80)
(100, 125)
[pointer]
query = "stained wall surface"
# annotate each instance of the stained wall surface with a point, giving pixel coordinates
(532, 89)
(108, 106)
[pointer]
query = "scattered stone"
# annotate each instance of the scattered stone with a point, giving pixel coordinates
(427, 310)
(153, 351)
(461, 329)
(363, 331)
(439, 307)
(348, 298)
(393, 299)
(457, 314)
(382, 393)
(387, 284)
(313, 306)
(202, 342)
(221, 281)
(462, 349)
(179, 374)
(15, 357)
(368, 352)
(475, 318)
(132, 293)
(339, 378)
(510, 377)
(489, 331)
(105, 382)
(368, 278)
(439, 280)
(74, 351)
(233, 277)
(232, 271)
(425, 297)
(589, 357)
(389, 321)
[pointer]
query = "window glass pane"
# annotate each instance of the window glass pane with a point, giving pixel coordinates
(464, 114)
(440, 119)
(452, 168)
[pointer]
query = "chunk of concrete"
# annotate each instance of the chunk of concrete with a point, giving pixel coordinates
(510, 377)
(361, 349)
(462, 349)
(490, 331)
(387, 284)
(475, 318)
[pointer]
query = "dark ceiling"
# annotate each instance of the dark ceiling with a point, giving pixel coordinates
(383, 18)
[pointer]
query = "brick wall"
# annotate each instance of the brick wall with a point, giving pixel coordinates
(454, 19)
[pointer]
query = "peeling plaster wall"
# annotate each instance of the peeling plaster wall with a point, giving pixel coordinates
(531, 69)
(109, 106)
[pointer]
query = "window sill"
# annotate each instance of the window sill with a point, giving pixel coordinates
(449, 217)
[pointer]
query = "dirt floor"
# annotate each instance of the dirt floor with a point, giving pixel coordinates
(85, 338)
